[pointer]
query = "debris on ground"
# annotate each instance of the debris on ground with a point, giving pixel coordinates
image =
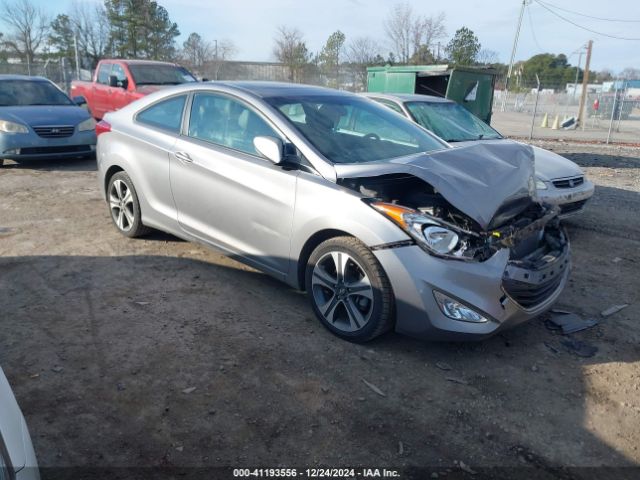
(551, 347)
(613, 309)
(457, 380)
(400, 448)
(189, 390)
(579, 347)
(466, 468)
(374, 388)
(568, 322)
(143, 303)
(443, 366)
(120, 386)
(57, 369)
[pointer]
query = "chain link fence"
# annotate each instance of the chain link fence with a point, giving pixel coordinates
(611, 113)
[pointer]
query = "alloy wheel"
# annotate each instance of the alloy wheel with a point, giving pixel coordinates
(121, 204)
(342, 291)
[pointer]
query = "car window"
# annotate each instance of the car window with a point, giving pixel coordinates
(225, 121)
(159, 74)
(351, 129)
(118, 72)
(31, 92)
(103, 73)
(166, 114)
(392, 105)
(451, 121)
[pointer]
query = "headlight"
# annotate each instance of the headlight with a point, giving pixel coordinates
(540, 185)
(452, 308)
(88, 124)
(12, 127)
(422, 229)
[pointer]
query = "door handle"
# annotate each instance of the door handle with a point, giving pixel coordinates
(183, 157)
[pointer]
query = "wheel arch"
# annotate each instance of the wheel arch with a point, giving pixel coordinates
(111, 171)
(308, 248)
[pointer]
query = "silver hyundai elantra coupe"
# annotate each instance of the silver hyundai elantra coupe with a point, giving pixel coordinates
(383, 224)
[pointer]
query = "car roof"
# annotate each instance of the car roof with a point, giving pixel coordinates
(23, 77)
(136, 62)
(276, 89)
(408, 97)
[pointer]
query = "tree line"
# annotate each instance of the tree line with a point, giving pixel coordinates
(143, 29)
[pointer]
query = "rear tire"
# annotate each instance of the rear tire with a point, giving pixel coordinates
(124, 206)
(348, 290)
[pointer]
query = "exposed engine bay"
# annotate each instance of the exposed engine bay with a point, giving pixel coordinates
(528, 228)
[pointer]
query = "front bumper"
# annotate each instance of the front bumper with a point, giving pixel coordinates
(570, 200)
(30, 146)
(414, 275)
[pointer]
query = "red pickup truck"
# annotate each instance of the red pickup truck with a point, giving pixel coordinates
(117, 83)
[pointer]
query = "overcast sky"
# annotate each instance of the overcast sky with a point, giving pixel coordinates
(251, 24)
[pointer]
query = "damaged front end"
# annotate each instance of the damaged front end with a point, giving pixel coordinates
(537, 243)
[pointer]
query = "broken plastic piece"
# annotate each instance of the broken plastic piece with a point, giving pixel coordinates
(570, 322)
(578, 347)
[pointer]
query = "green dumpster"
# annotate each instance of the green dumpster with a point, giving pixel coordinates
(470, 87)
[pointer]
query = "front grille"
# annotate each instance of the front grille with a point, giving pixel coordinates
(569, 182)
(572, 207)
(528, 294)
(55, 131)
(54, 150)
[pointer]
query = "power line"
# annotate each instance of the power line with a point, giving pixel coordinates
(583, 27)
(591, 16)
(533, 32)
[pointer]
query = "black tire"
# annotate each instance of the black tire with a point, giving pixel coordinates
(381, 315)
(128, 228)
(1, 162)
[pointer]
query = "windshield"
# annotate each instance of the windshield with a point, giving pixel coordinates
(156, 74)
(451, 121)
(31, 92)
(348, 129)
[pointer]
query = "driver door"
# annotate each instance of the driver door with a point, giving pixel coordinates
(226, 194)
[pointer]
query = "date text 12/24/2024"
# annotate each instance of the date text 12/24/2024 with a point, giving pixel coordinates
(315, 473)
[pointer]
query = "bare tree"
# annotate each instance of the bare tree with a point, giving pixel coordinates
(362, 52)
(411, 35)
(91, 29)
(223, 51)
(487, 57)
(196, 51)
(399, 26)
(291, 50)
(29, 28)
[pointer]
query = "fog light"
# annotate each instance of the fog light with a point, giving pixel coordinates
(454, 309)
(13, 151)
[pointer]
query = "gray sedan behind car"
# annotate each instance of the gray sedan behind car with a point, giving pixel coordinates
(382, 223)
(559, 181)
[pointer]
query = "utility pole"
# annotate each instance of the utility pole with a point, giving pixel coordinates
(585, 82)
(513, 54)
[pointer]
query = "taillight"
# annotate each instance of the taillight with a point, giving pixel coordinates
(102, 127)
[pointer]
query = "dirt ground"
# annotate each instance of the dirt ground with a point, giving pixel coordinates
(158, 352)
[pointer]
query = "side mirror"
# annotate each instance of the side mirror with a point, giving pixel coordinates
(113, 81)
(79, 100)
(270, 147)
(205, 79)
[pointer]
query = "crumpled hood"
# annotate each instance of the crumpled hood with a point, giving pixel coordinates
(476, 179)
(40, 115)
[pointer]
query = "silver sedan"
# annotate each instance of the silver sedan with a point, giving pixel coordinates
(559, 181)
(382, 223)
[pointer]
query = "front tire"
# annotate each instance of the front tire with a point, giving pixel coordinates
(124, 206)
(349, 291)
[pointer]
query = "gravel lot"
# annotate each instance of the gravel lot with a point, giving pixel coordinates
(159, 352)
